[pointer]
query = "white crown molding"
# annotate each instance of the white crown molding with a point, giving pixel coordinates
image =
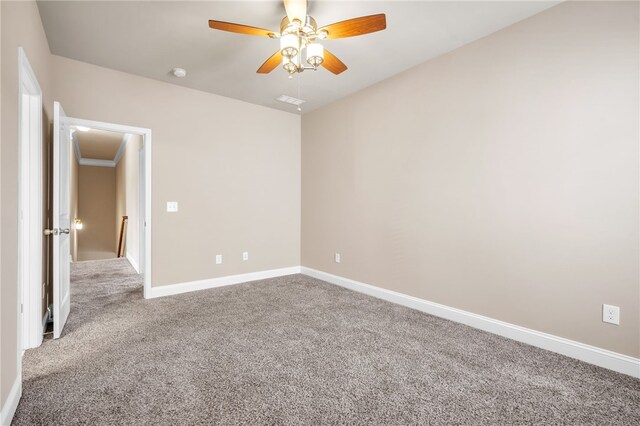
(97, 163)
(121, 148)
(172, 289)
(583, 352)
(11, 404)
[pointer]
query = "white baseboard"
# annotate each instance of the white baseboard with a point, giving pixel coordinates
(169, 290)
(9, 407)
(590, 354)
(133, 262)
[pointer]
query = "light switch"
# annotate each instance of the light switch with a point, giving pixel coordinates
(172, 206)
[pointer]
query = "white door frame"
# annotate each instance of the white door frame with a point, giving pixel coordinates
(141, 208)
(30, 212)
(145, 222)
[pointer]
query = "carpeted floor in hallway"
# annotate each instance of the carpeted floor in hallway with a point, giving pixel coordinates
(297, 351)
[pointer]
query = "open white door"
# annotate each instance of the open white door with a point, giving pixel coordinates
(61, 220)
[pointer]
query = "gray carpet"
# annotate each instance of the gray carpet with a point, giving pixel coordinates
(295, 350)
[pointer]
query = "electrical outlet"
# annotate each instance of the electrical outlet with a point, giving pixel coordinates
(245, 255)
(611, 314)
(218, 259)
(337, 257)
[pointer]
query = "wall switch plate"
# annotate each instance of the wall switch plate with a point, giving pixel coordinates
(218, 259)
(337, 257)
(172, 206)
(245, 255)
(611, 314)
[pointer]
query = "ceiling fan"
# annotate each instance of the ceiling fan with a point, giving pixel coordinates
(299, 32)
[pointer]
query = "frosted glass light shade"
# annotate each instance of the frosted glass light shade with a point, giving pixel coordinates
(315, 54)
(289, 45)
(290, 65)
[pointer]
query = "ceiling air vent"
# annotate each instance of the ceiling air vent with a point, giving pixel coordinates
(290, 100)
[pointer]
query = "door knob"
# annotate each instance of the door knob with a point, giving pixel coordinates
(56, 231)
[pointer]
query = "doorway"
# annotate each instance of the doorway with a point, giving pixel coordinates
(66, 223)
(104, 189)
(125, 161)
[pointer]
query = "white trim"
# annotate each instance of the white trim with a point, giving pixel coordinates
(30, 224)
(76, 146)
(101, 125)
(141, 209)
(133, 262)
(170, 290)
(121, 148)
(147, 214)
(10, 406)
(590, 354)
(96, 163)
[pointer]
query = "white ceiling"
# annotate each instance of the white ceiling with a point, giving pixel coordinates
(149, 38)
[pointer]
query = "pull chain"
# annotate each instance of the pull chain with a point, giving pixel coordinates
(299, 106)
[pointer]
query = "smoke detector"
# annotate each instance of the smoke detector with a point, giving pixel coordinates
(179, 72)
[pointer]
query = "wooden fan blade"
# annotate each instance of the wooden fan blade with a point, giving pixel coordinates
(356, 26)
(332, 63)
(239, 28)
(296, 9)
(271, 63)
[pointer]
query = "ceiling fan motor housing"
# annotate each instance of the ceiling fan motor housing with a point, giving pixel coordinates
(309, 27)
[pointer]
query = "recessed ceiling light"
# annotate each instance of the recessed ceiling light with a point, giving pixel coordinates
(179, 72)
(83, 128)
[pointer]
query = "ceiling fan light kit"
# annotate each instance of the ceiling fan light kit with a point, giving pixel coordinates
(296, 38)
(300, 34)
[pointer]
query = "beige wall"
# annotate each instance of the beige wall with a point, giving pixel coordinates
(501, 178)
(233, 167)
(21, 26)
(96, 209)
(127, 195)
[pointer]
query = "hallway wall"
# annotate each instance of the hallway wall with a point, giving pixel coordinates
(127, 190)
(96, 208)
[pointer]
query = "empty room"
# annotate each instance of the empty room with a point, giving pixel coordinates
(320, 212)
